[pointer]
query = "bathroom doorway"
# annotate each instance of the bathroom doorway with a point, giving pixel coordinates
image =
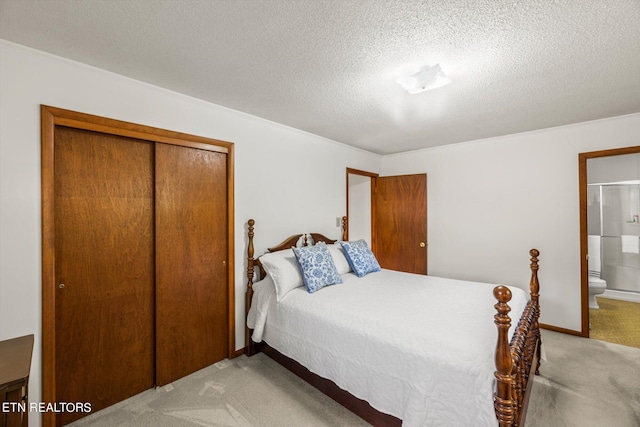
(610, 245)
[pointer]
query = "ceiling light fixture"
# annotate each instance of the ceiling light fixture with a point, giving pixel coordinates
(419, 79)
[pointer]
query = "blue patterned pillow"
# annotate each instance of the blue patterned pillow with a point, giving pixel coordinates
(317, 267)
(360, 257)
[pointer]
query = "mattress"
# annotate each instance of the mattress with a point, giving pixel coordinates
(420, 348)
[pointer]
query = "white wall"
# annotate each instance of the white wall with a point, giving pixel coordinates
(625, 167)
(287, 180)
(360, 207)
(492, 200)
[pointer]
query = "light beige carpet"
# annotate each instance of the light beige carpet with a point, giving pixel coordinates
(584, 383)
(243, 392)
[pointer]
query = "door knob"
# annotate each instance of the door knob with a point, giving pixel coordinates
(423, 244)
(61, 285)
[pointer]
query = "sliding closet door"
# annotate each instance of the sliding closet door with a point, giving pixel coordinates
(104, 268)
(191, 254)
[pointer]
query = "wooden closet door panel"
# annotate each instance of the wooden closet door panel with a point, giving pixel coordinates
(104, 268)
(191, 260)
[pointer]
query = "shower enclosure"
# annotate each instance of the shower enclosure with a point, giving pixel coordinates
(614, 224)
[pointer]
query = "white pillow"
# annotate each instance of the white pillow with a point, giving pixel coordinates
(283, 269)
(340, 261)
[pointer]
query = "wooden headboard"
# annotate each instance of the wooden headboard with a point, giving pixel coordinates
(286, 244)
(289, 242)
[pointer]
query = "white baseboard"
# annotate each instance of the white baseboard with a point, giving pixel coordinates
(621, 295)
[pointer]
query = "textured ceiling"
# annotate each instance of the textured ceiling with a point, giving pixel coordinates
(328, 66)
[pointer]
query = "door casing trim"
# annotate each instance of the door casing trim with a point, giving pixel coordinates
(584, 266)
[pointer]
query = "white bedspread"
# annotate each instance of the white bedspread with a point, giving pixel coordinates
(420, 348)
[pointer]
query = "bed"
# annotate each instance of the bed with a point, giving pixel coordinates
(395, 348)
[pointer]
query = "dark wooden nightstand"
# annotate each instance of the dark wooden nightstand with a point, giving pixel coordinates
(15, 365)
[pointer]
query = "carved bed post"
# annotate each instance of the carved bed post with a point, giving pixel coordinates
(249, 349)
(534, 285)
(504, 404)
(515, 359)
(534, 289)
(345, 229)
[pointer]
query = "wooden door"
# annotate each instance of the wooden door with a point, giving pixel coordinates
(400, 222)
(104, 268)
(191, 251)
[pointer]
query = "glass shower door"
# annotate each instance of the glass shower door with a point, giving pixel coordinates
(621, 236)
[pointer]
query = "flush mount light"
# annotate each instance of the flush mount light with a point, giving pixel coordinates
(419, 79)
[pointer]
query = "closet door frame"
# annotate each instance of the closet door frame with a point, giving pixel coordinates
(51, 117)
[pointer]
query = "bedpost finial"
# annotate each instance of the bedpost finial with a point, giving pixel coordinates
(251, 223)
(534, 260)
(534, 256)
(502, 293)
(345, 228)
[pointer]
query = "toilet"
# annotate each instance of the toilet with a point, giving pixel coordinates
(597, 286)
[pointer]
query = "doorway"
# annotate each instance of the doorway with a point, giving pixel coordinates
(360, 212)
(392, 210)
(610, 245)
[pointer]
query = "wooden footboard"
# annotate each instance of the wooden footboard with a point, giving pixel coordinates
(515, 361)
